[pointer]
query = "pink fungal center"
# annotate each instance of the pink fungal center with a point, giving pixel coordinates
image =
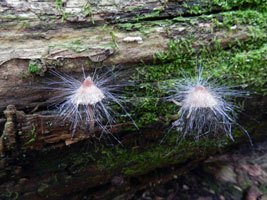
(199, 88)
(88, 82)
(88, 93)
(200, 97)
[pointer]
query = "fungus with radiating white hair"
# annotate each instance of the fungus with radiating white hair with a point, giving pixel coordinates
(88, 93)
(89, 102)
(205, 107)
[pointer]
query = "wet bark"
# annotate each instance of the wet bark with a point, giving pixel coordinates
(38, 33)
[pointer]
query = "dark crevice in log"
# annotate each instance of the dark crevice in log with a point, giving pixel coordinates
(169, 15)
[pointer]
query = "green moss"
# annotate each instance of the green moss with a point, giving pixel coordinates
(87, 8)
(204, 6)
(59, 4)
(135, 161)
(114, 39)
(34, 68)
(63, 16)
(196, 9)
(231, 18)
(147, 16)
(228, 19)
(129, 26)
(241, 4)
(31, 137)
(243, 63)
(244, 17)
(42, 187)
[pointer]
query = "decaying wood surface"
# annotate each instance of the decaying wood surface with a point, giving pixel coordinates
(39, 175)
(34, 30)
(66, 35)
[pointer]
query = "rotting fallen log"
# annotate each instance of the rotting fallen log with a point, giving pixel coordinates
(36, 166)
(39, 160)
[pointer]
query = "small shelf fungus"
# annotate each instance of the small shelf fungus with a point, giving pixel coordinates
(205, 107)
(89, 102)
